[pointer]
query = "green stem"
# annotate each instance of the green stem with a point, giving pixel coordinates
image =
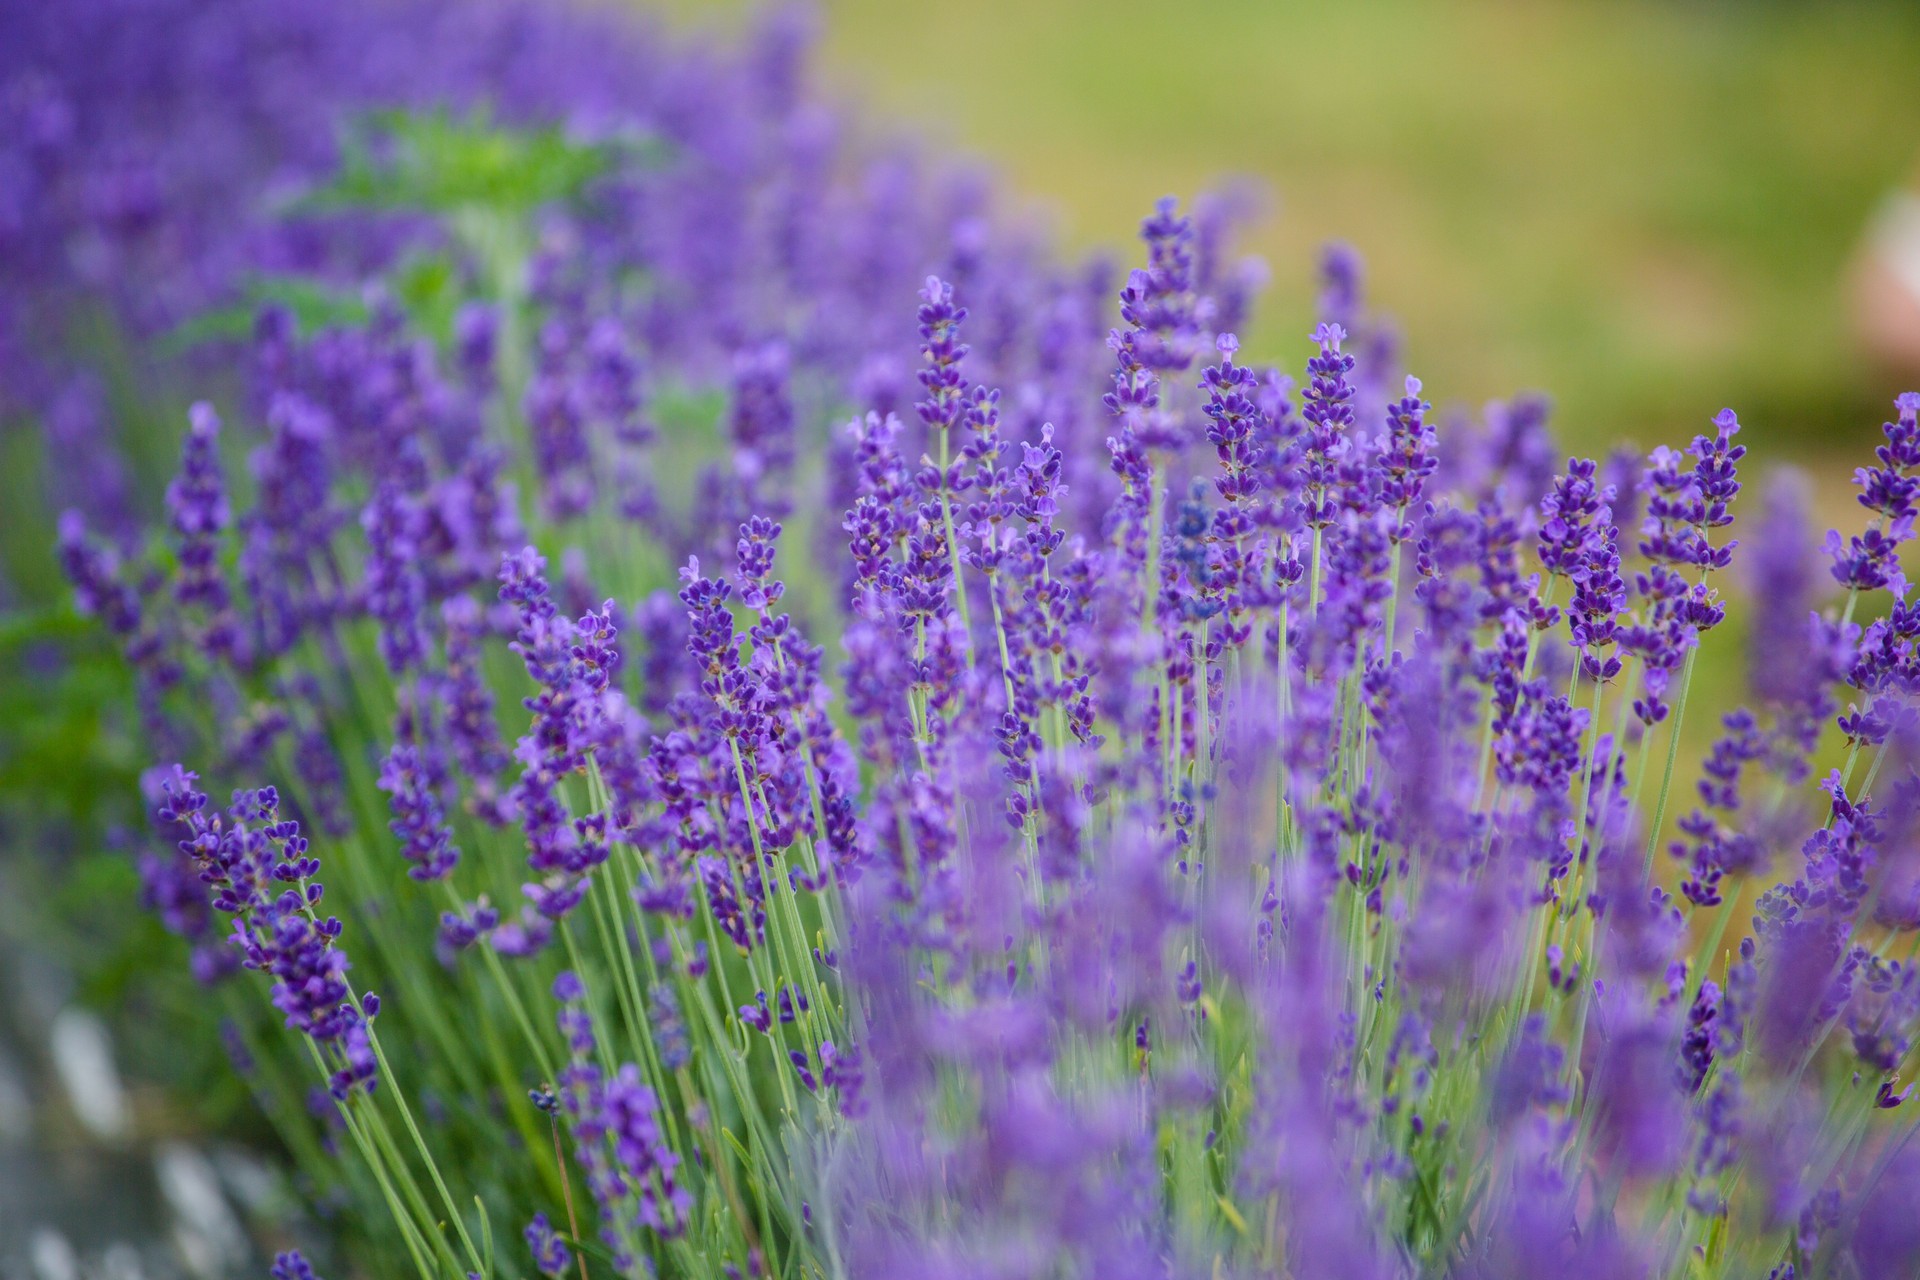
(409, 1231)
(1673, 754)
(426, 1155)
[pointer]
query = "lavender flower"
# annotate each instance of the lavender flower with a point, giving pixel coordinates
(1216, 860)
(417, 816)
(1867, 561)
(396, 595)
(241, 856)
(631, 1171)
(551, 1257)
(197, 503)
(1329, 416)
(292, 1266)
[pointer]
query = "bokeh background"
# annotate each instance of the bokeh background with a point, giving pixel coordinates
(1648, 209)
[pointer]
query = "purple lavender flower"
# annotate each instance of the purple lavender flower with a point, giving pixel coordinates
(95, 574)
(1636, 1094)
(85, 465)
(944, 384)
(1342, 285)
(557, 423)
(418, 819)
(242, 855)
(1791, 662)
(551, 1257)
(171, 888)
(1329, 416)
(1867, 561)
(1579, 541)
(1683, 507)
(545, 643)
(291, 1266)
(1519, 451)
(476, 335)
(460, 930)
(757, 477)
(631, 1170)
(1408, 454)
(197, 503)
(395, 593)
(1883, 1243)
(318, 768)
(1162, 337)
(472, 733)
(1235, 428)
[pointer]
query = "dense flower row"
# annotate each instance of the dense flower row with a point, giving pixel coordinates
(1106, 809)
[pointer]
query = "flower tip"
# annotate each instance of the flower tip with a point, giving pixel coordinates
(202, 420)
(1227, 344)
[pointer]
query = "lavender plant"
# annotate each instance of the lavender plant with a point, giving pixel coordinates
(1112, 810)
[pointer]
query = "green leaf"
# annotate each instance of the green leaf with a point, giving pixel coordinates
(486, 1237)
(312, 304)
(427, 285)
(31, 626)
(437, 162)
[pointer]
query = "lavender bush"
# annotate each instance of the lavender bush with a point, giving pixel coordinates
(812, 783)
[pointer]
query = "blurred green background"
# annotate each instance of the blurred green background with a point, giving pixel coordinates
(1645, 209)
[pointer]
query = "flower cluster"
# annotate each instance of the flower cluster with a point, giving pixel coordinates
(243, 856)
